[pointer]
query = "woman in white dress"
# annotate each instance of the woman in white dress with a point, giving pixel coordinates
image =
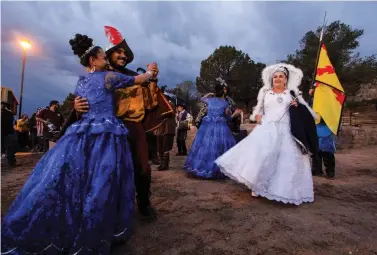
(268, 160)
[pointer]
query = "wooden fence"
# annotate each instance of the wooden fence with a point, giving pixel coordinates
(366, 115)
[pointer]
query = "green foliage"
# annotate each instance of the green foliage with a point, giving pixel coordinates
(67, 105)
(341, 40)
(187, 92)
(242, 74)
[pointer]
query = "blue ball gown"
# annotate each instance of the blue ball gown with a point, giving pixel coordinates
(80, 196)
(212, 140)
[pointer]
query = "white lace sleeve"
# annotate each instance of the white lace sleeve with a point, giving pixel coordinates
(302, 101)
(258, 109)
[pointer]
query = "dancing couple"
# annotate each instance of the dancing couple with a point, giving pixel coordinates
(143, 109)
(80, 196)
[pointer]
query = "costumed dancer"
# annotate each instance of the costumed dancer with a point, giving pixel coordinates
(182, 128)
(269, 160)
(141, 109)
(80, 196)
(165, 140)
(327, 149)
(213, 138)
(151, 137)
(235, 122)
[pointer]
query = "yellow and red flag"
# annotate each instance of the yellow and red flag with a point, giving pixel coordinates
(329, 94)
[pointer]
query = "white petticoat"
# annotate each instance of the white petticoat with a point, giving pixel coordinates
(269, 162)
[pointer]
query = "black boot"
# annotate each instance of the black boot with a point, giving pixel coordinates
(143, 197)
(329, 162)
(317, 164)
(165, 162)
(156, 161)
(161, 159)
(179, 148)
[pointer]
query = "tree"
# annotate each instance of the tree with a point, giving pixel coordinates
(219, 64)
(67, 105)
(240, 73)
(341, 40)
(246, 81)
(187, 92)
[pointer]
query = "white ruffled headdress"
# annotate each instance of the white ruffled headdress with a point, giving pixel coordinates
(222, 82)
(294, 81)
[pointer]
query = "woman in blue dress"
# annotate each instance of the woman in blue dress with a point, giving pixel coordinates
(79, 199)
(213, 138)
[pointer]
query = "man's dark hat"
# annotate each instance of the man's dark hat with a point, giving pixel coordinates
(117, 41)
(182, 105)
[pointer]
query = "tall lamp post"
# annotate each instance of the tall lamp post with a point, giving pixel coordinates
(25, 45)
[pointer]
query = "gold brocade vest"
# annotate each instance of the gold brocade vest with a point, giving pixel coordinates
(145, 104)
(133, 102)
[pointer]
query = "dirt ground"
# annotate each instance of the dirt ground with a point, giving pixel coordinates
(220, 217)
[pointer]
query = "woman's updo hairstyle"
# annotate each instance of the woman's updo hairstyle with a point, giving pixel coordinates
(219, 89)
(83, 47)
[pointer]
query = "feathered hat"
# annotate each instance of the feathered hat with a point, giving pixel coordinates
(294, 76)
(117, 41)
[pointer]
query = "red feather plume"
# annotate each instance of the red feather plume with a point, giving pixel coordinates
(114, 36)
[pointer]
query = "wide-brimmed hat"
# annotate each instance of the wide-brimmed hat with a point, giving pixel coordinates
(117, 41)
(182, 105)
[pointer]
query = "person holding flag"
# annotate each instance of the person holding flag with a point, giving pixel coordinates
(329, 97)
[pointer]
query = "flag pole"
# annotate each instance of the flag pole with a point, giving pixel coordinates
(318, 50)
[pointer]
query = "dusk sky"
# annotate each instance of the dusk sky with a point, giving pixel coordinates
(176, 35)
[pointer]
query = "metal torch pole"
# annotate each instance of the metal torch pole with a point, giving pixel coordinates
(22, 83)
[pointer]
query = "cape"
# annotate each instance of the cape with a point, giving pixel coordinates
(303, 129)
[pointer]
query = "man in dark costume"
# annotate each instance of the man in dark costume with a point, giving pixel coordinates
(182, 127)
(326, 147)
(165, 139)
(142, 109)
(151, 137)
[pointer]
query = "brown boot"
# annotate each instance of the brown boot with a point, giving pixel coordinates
(161, 160)
(165, 162)
(156, 161)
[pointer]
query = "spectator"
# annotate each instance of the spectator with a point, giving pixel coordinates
(182, 127)
(22, 128)
(52, 122)
(8, 137)
(33, 131)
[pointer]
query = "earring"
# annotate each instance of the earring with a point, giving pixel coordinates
(93, 69)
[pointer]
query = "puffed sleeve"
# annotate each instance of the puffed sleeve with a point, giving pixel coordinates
(114, 80)
(205, 100)
(228, 111)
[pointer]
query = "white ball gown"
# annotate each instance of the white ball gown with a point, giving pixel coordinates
(268, 161)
